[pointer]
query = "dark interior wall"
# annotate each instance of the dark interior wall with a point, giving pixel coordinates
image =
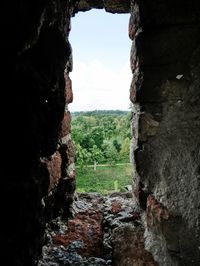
(165, 62)
(34, 55)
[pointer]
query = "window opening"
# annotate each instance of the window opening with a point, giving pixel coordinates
(101, 112)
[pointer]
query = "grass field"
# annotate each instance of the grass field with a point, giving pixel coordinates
(105, 179)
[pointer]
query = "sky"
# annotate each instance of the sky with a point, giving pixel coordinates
(101, 75)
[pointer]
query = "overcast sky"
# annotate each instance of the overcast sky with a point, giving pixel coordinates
(101, 75)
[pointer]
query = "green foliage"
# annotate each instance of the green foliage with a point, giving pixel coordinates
(96, 154)
(110, 152)
(83, 156)
(101, 136)
(97, 135)
(117, 145)
(125, 149)
(87, 141)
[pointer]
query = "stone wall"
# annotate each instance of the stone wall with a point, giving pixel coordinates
(37, 173)
(37, 163)
(165, 61)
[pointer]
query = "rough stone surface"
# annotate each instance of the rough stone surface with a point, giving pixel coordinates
(130, 252)
(66, 124)
(113, 6)
(68, 89)
(117, 6)
(170, 13)
(156, 213)
(54, 168)
(34, 53)
(166, 84)
(134, 21)
(85, 5)
(86, 227)
(104, 230)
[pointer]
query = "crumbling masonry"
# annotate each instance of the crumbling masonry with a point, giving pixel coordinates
(37, 163)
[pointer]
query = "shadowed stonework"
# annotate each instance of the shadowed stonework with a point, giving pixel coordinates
(37, 166)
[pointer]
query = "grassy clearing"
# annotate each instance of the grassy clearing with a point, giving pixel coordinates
(105, 179)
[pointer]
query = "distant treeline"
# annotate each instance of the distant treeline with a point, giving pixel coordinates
(99, 113)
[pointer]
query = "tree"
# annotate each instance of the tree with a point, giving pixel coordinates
(87, 141)
(117, 145)
(97, 135)
(110, 152)
(77, 134)
(125, 150)
(96, 155)
(82, 157)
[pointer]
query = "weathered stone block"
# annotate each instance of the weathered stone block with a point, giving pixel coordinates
(129, 248)
(54, 169)
(134, 21)
(161, 13)
(117, 6)
(68, 89)
(66, 124)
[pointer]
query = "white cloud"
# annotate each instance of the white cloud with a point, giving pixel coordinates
(96, 86)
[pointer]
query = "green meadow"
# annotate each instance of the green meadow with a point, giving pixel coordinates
(105, 179)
